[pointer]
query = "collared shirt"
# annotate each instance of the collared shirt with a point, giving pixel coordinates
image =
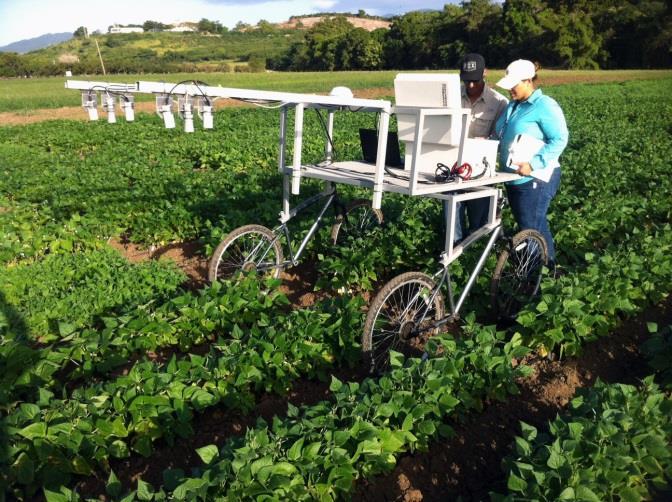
(541, 117)
(484, 111)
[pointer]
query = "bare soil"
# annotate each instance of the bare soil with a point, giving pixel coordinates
(297, 282)
(77, 113)
(357, 22)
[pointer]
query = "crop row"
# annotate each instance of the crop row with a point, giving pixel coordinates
(183, 322)
(317, 451)
(52, 438)
(612, 443)
(63, 292)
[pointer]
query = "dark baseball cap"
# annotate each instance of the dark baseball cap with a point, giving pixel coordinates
(471, 67)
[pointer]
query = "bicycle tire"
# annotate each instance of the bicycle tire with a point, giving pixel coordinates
(517, 276)
(358, 219)
(232, 255)
(386, 310)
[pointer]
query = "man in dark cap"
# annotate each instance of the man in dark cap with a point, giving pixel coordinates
(486, 106)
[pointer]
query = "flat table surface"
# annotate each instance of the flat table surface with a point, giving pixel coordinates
(362, 174)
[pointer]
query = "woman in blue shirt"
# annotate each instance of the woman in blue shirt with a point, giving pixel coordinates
(531, 113)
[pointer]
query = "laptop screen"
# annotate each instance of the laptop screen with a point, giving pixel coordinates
(369, 141)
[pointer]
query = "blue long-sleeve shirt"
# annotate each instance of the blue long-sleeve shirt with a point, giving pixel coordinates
(539, 116)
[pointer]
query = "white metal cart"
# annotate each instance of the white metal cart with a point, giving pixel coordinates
(410, 306)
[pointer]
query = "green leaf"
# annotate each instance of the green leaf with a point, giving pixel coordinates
(208, 453)
(522, 447)
(385, 410)
(575, 430)
(119, 449)
(567, 494)
(81, 466)
(33, 431)
(448, 402)
(396, 359)
(585, 493)
(652, 327)
(515, 483)
(335, 384)
(113, 485)
(651, 465)
(392, 442)
(529, 431)
(259, 463)
(294, 453)
(311, 451)
(427, 427)
(189, 487)
(24, 469)
(29, 410)
(145, 491)
(283, 469)
(55, 497)
(628, 494)
(555, 461)
(65, 329)
(656, 446)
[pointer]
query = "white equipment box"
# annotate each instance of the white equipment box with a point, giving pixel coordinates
(429, 107)
(428, 90)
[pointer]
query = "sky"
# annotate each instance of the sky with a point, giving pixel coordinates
(23, 19)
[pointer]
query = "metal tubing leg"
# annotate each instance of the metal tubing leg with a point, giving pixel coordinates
(298, 142)
(478, 267)
(282, 142)
(313, 228)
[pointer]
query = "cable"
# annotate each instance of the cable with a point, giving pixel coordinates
(326, 132)
(444, 174)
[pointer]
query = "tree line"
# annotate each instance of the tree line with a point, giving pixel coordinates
(573, 34)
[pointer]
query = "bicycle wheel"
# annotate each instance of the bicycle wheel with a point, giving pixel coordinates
(517, 276)
(358, 219)
(400, 318)
(246, 249)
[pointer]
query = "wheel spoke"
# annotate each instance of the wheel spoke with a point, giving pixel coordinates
(398, 318)
(246, 250)
(518, 276)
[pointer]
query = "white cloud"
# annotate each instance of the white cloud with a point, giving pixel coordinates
(324, 4)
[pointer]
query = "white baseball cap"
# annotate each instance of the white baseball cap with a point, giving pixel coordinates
(520, 69)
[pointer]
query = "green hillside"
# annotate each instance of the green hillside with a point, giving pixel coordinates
(161, 52)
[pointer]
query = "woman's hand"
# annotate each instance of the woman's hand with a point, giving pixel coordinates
(524, 168)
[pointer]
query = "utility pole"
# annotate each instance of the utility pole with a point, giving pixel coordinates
(99, 56)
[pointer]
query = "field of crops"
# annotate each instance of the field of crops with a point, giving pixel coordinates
(118, 381)
(27, 95)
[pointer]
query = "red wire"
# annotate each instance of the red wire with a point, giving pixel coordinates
(463, 171)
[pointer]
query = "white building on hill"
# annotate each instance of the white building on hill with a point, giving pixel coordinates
(183, 26)
(117, 28)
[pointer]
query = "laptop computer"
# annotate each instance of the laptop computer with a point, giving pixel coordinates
(369, 141)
